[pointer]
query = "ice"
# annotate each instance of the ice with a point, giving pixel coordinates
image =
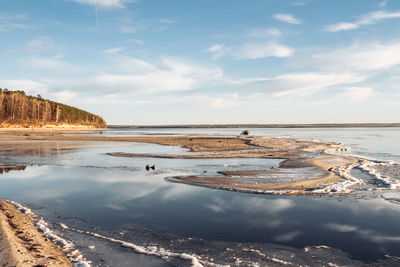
(67, 246)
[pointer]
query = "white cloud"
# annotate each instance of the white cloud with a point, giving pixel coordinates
(114, 50)
(13, 17)
(13, 26)
(256, 50)
(12, 22)
(262, 33)
(136, 41)
(370, 18)
(215, 48)
(47, 63)
(127, 25)
(62, 96)
(251, 51)
(216, 102)
(171, 75)
(342, 26)
(383, 4)
(218, 50)
(30, 87)
(297, 84)
(40, 44)
(104, 3)
(356, 93)
(299, 3)
(288, 18)
(306, 83)
(360, 57)
(128, 64)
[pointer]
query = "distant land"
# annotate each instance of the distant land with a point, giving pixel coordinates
(316, 125)
(20, 110)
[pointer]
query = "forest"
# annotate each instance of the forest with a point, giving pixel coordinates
(19, 109)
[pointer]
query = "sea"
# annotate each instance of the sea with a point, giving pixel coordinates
(116, 213)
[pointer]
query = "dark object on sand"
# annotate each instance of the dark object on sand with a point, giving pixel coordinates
(245, 132)
(148, 167)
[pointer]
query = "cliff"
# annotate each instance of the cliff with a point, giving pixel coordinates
(19, 109)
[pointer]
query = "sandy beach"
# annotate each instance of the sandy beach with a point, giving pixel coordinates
(21, 244)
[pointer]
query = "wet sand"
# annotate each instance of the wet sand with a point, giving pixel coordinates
(21, 244)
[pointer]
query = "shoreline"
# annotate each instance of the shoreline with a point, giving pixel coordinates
(22, 243)
(50, 128)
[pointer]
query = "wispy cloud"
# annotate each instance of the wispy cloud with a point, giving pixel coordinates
(114, 50)
(307, 83)
(288, 18)
(264, 33)
(251, 51)
(131, 75)
(13, 22)
(47, 63)
(136, 41)
(263, 50)
(383, 4)
(13, 26)
(63, 96)
(29, 86)
(370, 18)
(215, 48)
(40, 44)
(359, 57)
(128, 25)
(298, 84)
(299, 3)
(216, 102)
(356, 93)
(104, 3)
(132, 25)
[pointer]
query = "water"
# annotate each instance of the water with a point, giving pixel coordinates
(78, 184)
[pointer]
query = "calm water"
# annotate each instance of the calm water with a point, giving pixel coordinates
(79, 185)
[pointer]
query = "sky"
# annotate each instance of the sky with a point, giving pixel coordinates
(146, 62)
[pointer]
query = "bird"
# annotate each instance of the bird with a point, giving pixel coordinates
(148, 167)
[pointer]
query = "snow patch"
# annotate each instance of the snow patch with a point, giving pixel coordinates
(68, 247)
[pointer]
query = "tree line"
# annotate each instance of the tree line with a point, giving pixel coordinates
(19, 109)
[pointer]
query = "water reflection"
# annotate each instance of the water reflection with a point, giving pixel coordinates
(117, 193)
(6, 169)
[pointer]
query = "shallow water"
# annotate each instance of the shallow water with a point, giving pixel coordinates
(81, 186)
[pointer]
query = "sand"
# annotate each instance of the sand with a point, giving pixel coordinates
(22, 244)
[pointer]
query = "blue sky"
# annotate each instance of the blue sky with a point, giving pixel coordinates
(207, 61)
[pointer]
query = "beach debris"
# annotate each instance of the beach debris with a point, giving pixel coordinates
(148, 167)
(245, 132)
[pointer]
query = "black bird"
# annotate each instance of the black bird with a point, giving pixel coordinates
(147, 167)
(245, 132)
(153, 167)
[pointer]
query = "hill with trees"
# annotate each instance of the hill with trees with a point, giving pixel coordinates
(19, 109)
